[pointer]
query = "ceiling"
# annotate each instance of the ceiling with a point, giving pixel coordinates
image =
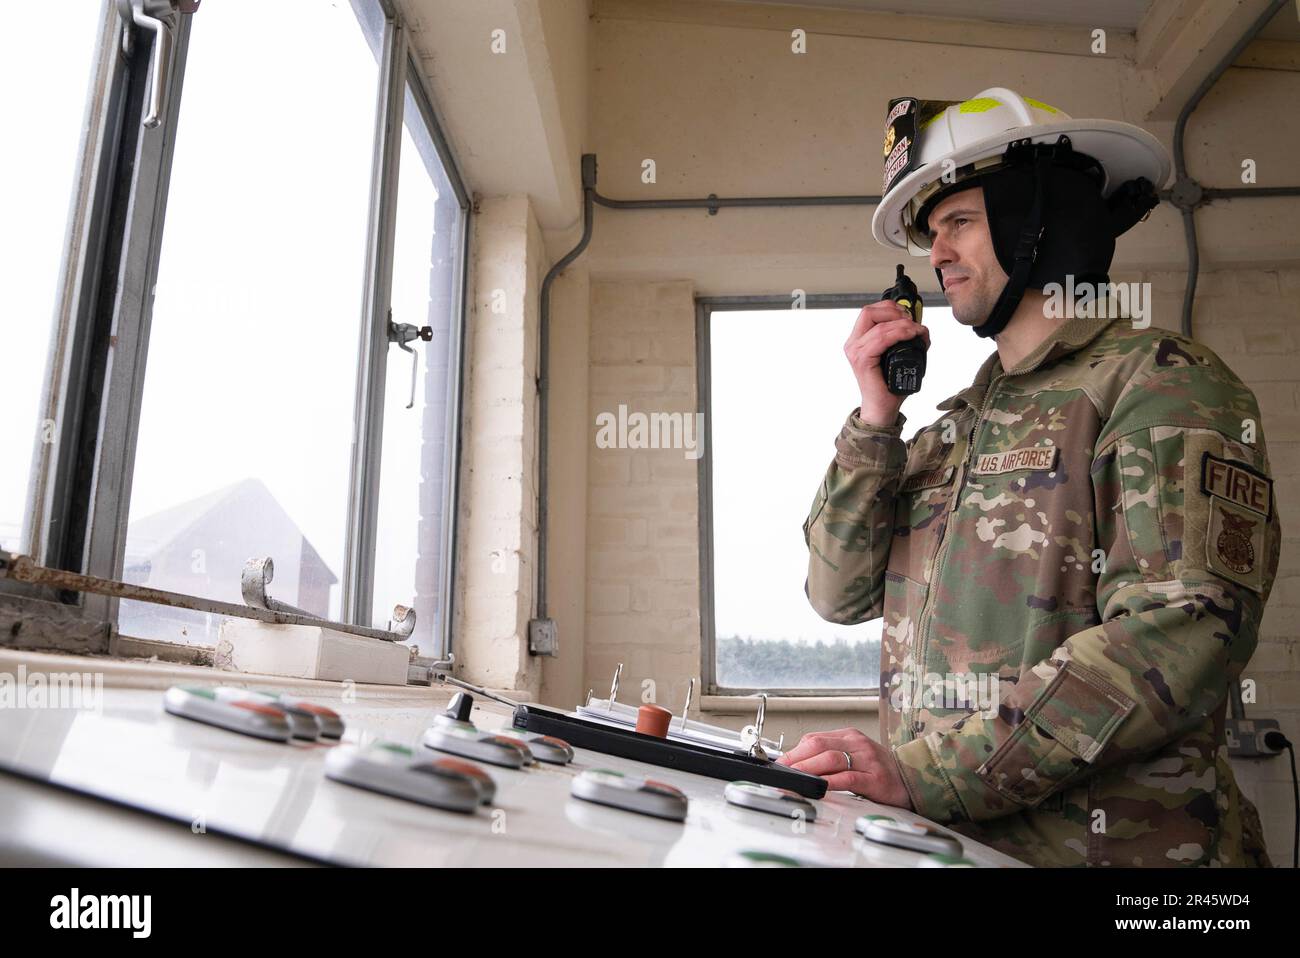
(1126, 14)
(1121, 14)
(1285, 25)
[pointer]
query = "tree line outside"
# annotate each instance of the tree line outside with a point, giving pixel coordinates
(746, 662)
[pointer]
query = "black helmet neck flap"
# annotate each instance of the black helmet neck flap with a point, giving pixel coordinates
(1048, 220)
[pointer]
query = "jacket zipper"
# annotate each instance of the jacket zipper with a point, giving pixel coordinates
(923, 620)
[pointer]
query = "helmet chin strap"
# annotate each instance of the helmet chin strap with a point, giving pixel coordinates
(1031, 232)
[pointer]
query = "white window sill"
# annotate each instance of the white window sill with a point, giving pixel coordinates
(122, 673)
(745, 704)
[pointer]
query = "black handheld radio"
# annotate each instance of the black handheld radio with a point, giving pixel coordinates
(904, 363)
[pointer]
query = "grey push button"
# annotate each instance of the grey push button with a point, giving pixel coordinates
(397, 771)
(767, 798)
(463, 739)
(631, 793)
(917, 837)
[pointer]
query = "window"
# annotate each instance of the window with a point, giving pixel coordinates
(416, 471)
(245, 426)
(229, 377)
(778, 391)
(39, 193)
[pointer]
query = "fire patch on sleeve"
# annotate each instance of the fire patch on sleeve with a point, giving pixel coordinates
(1241, 502)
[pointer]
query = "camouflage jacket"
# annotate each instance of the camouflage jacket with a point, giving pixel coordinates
(1090, 537)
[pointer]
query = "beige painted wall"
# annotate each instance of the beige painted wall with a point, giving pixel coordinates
(716, 98)
(496, 551)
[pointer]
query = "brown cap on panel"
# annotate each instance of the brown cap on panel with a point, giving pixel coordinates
(653, 720)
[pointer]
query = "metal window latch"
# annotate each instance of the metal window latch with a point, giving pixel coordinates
(403, 333)
(159, 18)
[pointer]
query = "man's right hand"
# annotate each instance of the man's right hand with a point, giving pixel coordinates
(878, 327)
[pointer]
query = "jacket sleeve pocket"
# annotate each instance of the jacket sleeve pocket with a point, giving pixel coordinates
(1061, 734)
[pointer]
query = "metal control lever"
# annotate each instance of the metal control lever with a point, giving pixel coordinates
(403, 333)
(476, 689)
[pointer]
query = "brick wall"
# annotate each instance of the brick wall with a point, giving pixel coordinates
(497, 540)
(643, 605)
(1251, 318)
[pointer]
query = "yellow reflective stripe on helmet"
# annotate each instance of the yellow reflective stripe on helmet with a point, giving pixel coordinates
(985, 103)
(979, 105)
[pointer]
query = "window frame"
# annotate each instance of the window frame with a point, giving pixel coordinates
(80, 490)
(373, 473)
(705, 306)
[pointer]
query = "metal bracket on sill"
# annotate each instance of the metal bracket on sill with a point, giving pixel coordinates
(426, 671)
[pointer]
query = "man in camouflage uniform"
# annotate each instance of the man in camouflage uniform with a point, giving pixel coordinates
(1092, 522)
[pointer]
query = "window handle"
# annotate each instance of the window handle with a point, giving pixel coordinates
(158, 17)
(403, 333)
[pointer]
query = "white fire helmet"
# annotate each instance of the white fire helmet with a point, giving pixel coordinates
(933, 145)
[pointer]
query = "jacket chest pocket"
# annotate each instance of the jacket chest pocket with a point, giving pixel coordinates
(921, 512)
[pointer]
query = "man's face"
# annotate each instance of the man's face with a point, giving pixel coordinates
(962, 249)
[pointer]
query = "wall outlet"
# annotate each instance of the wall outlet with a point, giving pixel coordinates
(1246, 737)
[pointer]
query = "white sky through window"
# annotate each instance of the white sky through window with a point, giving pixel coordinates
(37, 178)
(781, 389)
